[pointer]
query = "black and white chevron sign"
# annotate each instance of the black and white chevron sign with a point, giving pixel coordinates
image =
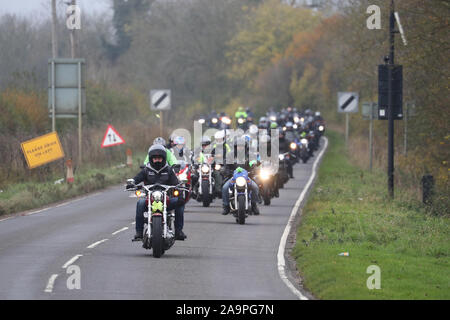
(348, 102)
(160, 100)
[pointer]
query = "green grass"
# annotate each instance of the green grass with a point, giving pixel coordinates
(31, 195)
(349, 211)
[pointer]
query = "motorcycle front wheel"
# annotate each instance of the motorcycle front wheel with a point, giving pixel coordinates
(241, 209)
(157, 236)
(206, 197)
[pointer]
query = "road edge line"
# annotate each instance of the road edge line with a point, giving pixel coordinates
(282, 247)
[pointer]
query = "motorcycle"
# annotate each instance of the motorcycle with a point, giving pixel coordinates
(283, 175)
(240, 196)
(159, 228)
(265, 177)
(183, 173)
(303, 150)
(241, 123)
(206, 182)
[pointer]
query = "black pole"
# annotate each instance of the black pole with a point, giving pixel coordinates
(391, 104)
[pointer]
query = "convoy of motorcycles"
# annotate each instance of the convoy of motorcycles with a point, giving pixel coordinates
(202, 178)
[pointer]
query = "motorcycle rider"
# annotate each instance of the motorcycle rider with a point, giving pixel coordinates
(171, 159)
(241, 147)
(157, 170)
(206, 142)
(284, 147)
(180, 150)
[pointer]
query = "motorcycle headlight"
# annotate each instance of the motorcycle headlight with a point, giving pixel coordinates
(284, 128)
(264, 174)
(295, 126)
(304, 141)
(281, 157)
(214, 120)
(241, 120)
(226, 120)
(293, 145)
(217, 167)
(296, 119)
(321, 128)
(241, 182)
(302, 120)
(157, 195)
(138, 193)
(273, 118)
(205, 168)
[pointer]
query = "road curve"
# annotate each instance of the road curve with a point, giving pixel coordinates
(220, 260)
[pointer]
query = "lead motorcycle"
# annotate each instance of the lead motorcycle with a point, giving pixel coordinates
(159, 228)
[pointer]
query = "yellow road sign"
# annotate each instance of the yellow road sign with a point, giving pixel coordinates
(42, 150)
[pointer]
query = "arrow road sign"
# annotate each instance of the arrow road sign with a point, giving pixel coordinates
(348, 102)
(160, 99)
(112, 138)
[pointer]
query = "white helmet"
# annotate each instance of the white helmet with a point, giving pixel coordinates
(253, 130)
(219, 135)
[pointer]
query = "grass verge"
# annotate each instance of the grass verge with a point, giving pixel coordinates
(349, 211)
(31, 195)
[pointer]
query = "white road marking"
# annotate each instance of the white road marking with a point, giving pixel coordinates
(96, 243)
(68, 263)
(51, 283)
(282, 247)
(63, 204)
(116, 232)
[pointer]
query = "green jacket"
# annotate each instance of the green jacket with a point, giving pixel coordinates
(171, 159)
(240, 114)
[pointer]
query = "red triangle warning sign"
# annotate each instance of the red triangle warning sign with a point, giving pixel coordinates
(112, 138)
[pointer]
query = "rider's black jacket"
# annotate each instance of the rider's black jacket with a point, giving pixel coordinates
(148, 175)
(284, 145)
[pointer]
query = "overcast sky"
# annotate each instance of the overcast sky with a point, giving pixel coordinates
(40, 8)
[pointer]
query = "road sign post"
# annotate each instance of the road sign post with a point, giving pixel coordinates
(347, 103)
(370, 110)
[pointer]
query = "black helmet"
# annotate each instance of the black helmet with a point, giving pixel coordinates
(157, 150)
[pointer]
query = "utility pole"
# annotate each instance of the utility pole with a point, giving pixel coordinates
(391, 101)
(54, 55)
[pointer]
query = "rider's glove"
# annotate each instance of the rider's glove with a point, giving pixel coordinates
(130, 184)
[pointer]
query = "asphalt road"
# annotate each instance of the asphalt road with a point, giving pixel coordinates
(219, 260)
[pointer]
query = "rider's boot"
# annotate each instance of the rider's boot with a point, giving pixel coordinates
(226, 210)
(255, 209)
(179, 235)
